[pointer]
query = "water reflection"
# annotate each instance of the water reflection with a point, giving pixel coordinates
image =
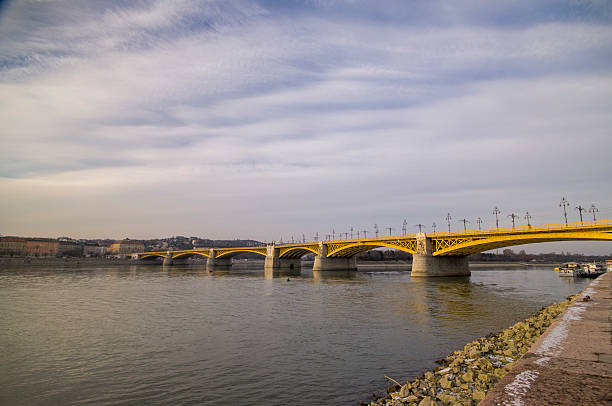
(331, 276)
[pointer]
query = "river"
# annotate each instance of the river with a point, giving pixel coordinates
(144, 334)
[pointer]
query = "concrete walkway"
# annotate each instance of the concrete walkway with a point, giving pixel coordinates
(571, 363)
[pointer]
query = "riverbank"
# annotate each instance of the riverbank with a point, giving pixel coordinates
(572, 362)
(71, 261)
(466, 376)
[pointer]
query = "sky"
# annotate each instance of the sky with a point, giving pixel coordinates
(269, 119)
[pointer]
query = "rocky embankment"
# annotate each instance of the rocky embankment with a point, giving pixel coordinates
(464, 377)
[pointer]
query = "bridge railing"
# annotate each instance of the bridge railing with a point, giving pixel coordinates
(536, 227)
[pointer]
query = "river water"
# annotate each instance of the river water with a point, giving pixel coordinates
(135, 335)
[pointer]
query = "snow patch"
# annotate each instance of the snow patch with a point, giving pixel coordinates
(519, 387)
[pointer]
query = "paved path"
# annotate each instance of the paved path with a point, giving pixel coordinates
(571, 363)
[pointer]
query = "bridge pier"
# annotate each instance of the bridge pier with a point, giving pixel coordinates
(168, 259)
(217, 263)
(324, 263)
(274, 262)
(425, 264)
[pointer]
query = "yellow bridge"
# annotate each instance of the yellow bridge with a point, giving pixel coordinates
(434, 254)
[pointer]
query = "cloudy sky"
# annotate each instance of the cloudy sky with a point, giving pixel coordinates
(265, 119)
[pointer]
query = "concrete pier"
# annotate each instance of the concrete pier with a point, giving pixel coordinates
(274, 262)
(571, 363)
(168, 259)
(428, 265)
(425, 264)
(324, 263)
(215, 263)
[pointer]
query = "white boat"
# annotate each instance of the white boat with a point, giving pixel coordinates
(569, 269)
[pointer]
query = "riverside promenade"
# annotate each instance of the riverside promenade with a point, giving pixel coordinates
(571, 363)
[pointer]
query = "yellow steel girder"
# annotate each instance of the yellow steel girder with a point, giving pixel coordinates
(231, 252)
(145, 255)
(183, 254)
(352, 248)
(298, 251)
(475, 244)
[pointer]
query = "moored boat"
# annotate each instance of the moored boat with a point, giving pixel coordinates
(593, 269)
(569, 269)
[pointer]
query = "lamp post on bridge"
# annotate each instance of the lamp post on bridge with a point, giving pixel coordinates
(496, 212)
(420, 226)
(434, 226)
(580, 210)
(365, 233)
(333, 233)
(564, 203)
(390, 230)
(376, 230)
(327, 237)
(404, 224)
(593, 210)
(351, 232)
(528, 217)
(303, 239)
(479, 222)
(448, 220)
(316, 237)
(514, 216)
(464, 221)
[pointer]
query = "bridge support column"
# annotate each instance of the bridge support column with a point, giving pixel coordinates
(217, 263)
(168, 259)
(324, 263)
(425, 264)
(274, 262)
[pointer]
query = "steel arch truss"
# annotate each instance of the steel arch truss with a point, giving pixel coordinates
(476, 244)
(232, 252)
(352, 248)
(298, 251)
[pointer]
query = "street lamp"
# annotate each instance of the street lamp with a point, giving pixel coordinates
(404, 226)
(434, 226)
(580, 210)
(496, 212)
(528, 217)
(420, 226)
(564, 203)
(479, 222)
(376, 230)
(593, 210)
(448, 220)
(464, 221)
(514, 216)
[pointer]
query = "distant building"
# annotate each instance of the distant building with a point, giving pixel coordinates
(93, 250)
(42, 247)
(125, 247)
(69, 248)
(12, 246)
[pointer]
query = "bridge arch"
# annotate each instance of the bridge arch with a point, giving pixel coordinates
(190, 254)
(151, 256)
(356, 248)
(297, 252)
(233, 253)
(464, 247)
